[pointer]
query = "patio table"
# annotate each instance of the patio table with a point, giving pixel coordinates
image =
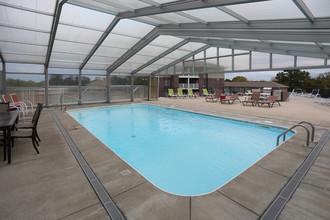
(7, 122)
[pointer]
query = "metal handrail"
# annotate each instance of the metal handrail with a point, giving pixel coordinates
(284, 133)
(62, 96)
(313, 129)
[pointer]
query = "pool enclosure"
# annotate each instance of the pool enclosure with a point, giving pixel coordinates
(108, 51)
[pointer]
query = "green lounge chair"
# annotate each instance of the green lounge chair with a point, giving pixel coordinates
(206, 93)
(180, 94)
(171, 93)
(191, 94)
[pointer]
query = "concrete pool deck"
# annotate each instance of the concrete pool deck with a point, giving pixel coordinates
(51, 185)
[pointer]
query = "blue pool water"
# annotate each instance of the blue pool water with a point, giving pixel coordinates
(180, 152)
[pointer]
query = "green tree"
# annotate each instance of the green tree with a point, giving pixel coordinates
(141, 80)
(239, 79)
(294, 79)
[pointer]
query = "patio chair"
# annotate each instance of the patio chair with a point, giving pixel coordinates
(171, 93)
(206, 93)
(254, 99)
(270, 101)
(214, 98)
(180, 94)
(191, 94)
(29, 124)
(14, 107)
(28, 133)
(314, 93)
(230, 100)
(26, 103)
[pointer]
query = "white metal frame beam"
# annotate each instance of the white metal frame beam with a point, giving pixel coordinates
(180, 44)
(136, 48)
(57, 14)
(100, 41)
(305, 10)
(180, 60)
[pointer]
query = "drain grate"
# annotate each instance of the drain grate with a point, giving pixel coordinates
(278, 204)
(100, 191)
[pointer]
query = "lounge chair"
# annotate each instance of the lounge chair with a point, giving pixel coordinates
(254, 99)
(28, 133)
(206, 93)
(26, 103)
(270, 101)
(14, 107)
(314, 93)
(191, 94)
(214, 98)
(171, 93)
(230, 100)
(180, 94)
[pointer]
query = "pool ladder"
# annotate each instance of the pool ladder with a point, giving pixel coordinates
(299, 125)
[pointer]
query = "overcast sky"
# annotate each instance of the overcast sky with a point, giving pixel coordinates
(268, 75)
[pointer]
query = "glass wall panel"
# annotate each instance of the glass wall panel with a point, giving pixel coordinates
(55, 93)
(93, 94)
(307, 61)
(241, 62)
(63, 80)
(63, 71)
(211, 65)
(120, 89)
(282, 61)
(25, 80)
(224, 51)
(260, 60)
(140, 89)
(240, 51)
(200, 55)
(212, 52)
(199, 66)
(33, 94)
(92, 72)
(188, 66)
(225, 63)
(179, 68)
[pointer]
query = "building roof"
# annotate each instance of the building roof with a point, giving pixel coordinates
(146, 37)
(255, 84)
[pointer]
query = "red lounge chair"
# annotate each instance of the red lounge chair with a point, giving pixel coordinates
(270, 101)
(214, 98)
(25, 104)
(254, 99)
(230, 100)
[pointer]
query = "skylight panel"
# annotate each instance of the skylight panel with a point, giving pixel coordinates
(23, 58)
(132, 28)
(21, 18)
(133, 3)
(23, 36)
(266, 10)
(166, 41)
(109, 51)
(42, 5)
(71, 47)
(319, 8)
(115, 40)
(150, 50)
(191, 46)
(76, 15)
(77, 34)
(210, 15)
(175, 18)
(22, 48)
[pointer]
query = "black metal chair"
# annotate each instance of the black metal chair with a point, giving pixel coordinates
(29, 132)
(4, 107)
